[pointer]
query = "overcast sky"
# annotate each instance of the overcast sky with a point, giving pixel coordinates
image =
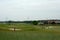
(29, 9)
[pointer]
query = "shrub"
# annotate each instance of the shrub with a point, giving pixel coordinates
(35, 22)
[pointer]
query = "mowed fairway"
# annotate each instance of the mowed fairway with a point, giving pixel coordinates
(29, 32)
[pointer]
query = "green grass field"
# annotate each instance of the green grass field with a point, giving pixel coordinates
(29, 32)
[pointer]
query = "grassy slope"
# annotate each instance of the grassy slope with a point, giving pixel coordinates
(19, 26)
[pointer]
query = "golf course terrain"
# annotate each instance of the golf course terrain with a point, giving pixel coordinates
(23, 31)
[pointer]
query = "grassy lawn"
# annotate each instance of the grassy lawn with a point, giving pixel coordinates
(28, 35)
(29, 32)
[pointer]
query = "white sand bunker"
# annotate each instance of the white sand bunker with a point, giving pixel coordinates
(14, 29)
(49, 27)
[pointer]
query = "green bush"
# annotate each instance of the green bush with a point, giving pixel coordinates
(35, 22)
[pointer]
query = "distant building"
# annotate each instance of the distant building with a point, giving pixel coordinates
(49, 22)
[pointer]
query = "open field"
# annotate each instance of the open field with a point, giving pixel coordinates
(29, 32)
